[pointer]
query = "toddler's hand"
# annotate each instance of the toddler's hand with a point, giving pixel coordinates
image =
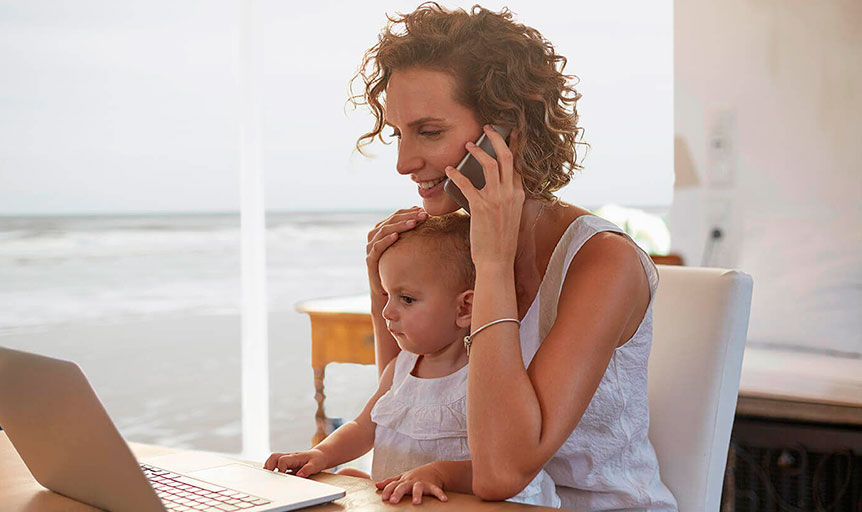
(418, 482)
(303, 464)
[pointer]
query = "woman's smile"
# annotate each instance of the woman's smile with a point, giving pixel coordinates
(431, 187)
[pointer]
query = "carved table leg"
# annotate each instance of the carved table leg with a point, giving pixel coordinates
(320, 416)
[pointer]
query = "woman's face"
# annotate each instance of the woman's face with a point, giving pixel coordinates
(432, 129)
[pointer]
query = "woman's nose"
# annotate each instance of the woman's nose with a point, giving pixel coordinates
(409, 160)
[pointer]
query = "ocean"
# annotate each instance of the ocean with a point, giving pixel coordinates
(149, 306)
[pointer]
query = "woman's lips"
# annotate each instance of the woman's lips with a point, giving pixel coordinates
(428, 192)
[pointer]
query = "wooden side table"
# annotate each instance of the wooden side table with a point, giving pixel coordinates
(341, 332)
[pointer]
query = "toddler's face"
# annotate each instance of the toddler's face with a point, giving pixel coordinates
(422, 311)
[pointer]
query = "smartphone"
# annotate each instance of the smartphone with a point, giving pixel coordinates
(472, 169)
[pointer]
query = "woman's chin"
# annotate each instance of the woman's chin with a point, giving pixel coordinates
(440, 205)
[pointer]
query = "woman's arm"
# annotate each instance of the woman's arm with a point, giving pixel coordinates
(384, 234)
(517, 419)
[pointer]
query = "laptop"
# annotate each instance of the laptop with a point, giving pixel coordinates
(57, 424)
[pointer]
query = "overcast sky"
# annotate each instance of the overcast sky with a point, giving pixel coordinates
(117, 107)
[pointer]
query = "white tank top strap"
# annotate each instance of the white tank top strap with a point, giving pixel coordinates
(581, 230)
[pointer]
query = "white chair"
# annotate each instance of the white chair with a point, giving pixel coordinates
(700, 323)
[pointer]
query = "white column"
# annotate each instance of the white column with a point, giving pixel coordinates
(255, 370)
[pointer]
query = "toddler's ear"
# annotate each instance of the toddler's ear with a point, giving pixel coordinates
(465, 309)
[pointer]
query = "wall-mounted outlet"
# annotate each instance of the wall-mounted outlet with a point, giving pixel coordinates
(722, 147)
(721, 230)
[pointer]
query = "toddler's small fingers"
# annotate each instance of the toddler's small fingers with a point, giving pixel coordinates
(384, 483)
(438, 492)
(418, 491)
(387, 491)
(310, 468)
(289, 461)
(399, 492)
(272, 461)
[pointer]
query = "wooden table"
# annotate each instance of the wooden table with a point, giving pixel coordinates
(775, 384)
(800, 386)
(19, 492)
(341, 332)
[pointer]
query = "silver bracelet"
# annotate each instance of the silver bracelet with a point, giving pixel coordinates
(468, 340)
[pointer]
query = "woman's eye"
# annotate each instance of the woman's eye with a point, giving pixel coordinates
(430, 133)
(408, 300)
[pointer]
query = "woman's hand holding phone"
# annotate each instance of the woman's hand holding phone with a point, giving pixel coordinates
(496, 208)
(472, 168)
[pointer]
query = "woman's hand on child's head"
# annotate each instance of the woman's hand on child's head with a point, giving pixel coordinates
(384, 234)
(418, 482)
(303, 464)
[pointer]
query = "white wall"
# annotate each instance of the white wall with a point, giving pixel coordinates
(788, 73)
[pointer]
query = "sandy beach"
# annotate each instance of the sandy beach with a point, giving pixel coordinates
(175, 380)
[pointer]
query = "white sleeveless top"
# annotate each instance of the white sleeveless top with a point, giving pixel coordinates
(425, 420)
(608, 462)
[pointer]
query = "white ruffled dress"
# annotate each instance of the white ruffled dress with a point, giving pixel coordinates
(425, 420)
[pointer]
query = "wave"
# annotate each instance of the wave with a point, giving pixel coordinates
(58, 270)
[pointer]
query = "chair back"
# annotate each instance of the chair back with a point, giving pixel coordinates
(700, 323)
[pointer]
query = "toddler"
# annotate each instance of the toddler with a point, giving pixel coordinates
(418, 414)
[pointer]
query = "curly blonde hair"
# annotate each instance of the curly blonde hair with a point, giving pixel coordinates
(507, 73)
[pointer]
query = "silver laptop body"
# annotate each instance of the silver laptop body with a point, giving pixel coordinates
(59, 427)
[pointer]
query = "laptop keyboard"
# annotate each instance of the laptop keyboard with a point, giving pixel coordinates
(183, 494)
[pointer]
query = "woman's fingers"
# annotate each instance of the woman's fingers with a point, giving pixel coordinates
(462, 182)
(376, 248)
(400, 212)
(499, 172)
(489, 165)
(395, 225)
(504, 154)
(395, 217)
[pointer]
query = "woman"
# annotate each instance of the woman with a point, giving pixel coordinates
(557, 375)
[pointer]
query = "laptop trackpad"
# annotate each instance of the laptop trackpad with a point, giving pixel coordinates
(267, 484)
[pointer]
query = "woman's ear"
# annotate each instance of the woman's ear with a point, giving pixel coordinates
(465, 309)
